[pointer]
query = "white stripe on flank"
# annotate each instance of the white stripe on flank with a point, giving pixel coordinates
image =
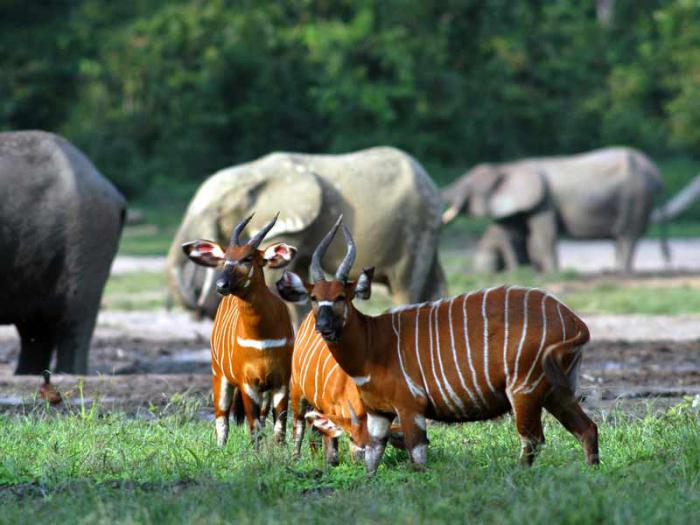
(302, 350)
(535, 361)
(446, 401)
(299, 346)
(469, 351)
(454, 354)
(485, 319)
(313, 350)
(453, 396)
(505, 337)
(522, 337)
(563, 341)
(261, 344)
(420, 365)
(415, 390)
(319, 368)
(328, 376)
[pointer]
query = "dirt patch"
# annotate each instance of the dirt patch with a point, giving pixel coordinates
(137, 375)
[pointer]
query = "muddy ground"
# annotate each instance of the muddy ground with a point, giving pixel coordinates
(133, 374)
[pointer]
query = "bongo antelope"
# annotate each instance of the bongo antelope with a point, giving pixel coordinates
(472, 357)
(318, 382)
(252, 338)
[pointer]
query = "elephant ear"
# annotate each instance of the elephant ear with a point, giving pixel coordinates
(519, 190)
(277, 183)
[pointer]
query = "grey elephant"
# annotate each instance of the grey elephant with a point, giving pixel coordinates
(386, 197)
(60, 223)
(604, 194)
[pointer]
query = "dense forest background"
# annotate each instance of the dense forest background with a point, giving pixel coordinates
(161, 91)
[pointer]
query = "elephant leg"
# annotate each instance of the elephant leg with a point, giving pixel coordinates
(418, 272)
(624, 253)
(73, 344)
(542, 241)
(436, 284)
(488, 257)
(37, 345)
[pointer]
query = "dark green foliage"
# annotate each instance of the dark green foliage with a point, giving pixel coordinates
(159, 90)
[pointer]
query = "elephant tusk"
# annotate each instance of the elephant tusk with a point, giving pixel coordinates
(449, 214)
(208, 281)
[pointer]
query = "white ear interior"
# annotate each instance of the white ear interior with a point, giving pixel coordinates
(324, 424)
(293, 282)
(283, 250)
(207, 249)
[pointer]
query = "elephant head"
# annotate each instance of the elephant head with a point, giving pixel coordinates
(223, 201)
(494, 191)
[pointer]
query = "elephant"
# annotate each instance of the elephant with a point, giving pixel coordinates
(603, 194)
(60, 224)
(384, 194)
(501, 247)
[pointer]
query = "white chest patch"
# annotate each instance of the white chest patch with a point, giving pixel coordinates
(261, 344)
(361, 380)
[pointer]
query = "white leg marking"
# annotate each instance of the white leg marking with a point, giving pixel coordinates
(253, 393)
(454, 355)
(420, 421)
(225, 394)
(469, 352)
(221, 430)
(279, 396)
(377, 426)
(298, 427)
(361, 380)
(485, 319)
(419, 454)
(415, 390)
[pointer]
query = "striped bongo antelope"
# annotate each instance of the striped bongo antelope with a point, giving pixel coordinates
(317, 380)
(472, 357)
(252, 338)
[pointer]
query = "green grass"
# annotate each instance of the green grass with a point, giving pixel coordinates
(615, 299)
(146, 241)
(148, 291)
(135, 291)
(91, 467)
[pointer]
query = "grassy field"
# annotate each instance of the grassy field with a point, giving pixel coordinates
(148, 291)
(89, 467)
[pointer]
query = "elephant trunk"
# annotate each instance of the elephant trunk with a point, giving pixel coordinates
(455, 196)
(192, 285)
